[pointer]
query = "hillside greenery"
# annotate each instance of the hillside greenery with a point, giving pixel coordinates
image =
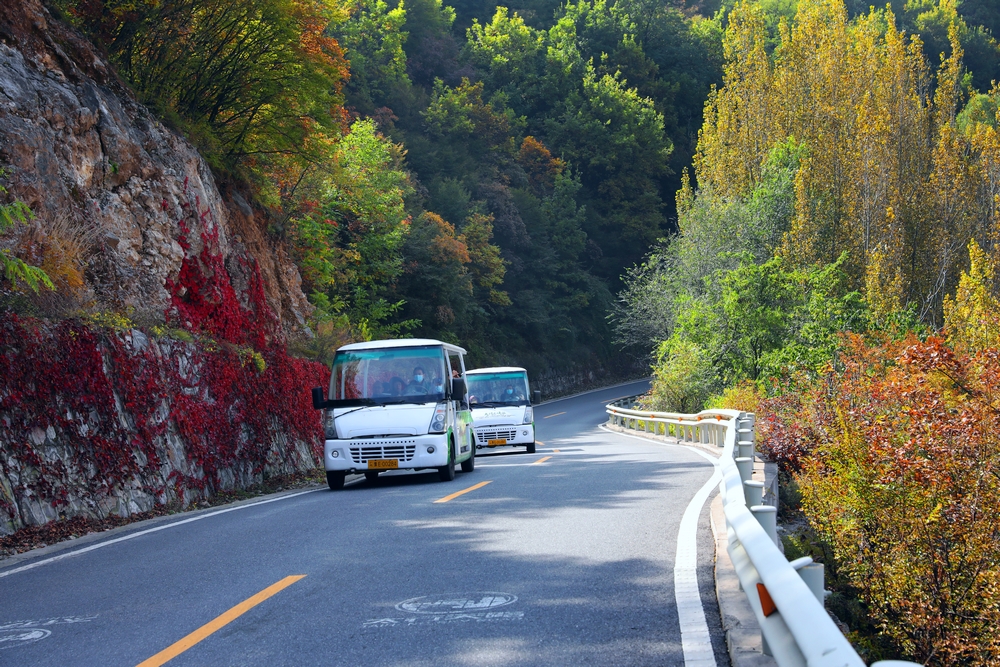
(834, 272)
(476, 173)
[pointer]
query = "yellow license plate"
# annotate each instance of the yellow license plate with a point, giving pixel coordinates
(383, 464)
(494, 443)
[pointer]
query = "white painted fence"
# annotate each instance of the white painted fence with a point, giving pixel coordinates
(797, 631)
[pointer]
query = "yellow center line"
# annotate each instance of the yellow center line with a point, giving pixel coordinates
(555, 451)
(219, 622)
(554, 415)
(463, 492)
(539, 443)
(541, 460)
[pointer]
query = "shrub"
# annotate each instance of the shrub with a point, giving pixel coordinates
(902, 478)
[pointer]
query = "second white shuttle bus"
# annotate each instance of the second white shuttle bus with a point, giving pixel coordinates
(501, 408)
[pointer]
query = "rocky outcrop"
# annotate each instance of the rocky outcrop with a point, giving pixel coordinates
(98, 415)
(95, 165)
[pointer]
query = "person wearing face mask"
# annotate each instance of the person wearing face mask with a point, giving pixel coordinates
(509, 394)
(417, 384)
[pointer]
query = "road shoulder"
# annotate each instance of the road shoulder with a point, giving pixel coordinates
(743, 637)
(112, 533)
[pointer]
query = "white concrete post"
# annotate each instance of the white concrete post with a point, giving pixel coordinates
(812, 574)
(767, 516)
(754, 492)
(745, 466)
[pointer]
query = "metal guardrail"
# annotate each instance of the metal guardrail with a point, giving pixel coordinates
(786, 597)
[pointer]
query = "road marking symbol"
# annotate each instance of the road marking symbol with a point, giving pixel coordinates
(556, 414)
(460, 603)
(20, 637)
(463, 492)
(219, 622)
(541, 460)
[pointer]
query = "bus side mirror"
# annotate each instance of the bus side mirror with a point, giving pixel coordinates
(319, 401)
(536, 397)
(458, 389)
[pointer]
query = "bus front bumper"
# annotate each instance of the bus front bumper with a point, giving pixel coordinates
(408, 452)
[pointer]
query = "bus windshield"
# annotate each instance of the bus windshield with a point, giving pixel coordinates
(389, 375)
(495, 389)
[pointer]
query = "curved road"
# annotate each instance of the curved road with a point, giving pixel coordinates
(562, 557)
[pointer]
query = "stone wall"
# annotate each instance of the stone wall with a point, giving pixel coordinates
(102, 422)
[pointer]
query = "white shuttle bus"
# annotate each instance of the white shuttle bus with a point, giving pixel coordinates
(396, 405)
(501, 407)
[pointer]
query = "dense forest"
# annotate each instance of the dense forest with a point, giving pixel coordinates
(476, 173)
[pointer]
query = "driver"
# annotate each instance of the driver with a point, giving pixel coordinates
(417, 384)
(510, 394)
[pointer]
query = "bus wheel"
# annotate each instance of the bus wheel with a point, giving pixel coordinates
(469, 464)
(531, 448)
(446, 473)
(335, 479)
(371, 476)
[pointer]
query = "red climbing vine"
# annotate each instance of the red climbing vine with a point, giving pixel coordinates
(88, 412)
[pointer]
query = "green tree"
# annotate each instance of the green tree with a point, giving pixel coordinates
(16, 270)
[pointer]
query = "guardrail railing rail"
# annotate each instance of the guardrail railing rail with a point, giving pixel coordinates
(786, 597)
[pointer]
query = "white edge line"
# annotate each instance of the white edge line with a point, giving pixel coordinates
(696, 642)
(99, 545)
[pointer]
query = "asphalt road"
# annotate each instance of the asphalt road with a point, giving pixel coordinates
(563, 557)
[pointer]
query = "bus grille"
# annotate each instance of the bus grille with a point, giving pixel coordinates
(483, 437)
(402, 450)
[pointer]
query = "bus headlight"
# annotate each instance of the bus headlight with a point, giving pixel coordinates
(437, 420)
(529, 415)
(330, 426)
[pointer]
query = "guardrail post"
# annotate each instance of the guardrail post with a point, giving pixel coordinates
(745, 466)
(746, 449)
(813, 575)
(754, 492)
(767, 516)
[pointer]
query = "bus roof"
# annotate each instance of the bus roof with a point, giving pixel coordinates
(401, 342)
(498, 369)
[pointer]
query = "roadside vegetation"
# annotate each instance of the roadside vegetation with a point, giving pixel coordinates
(835, 272)
(802, 198)
(477, 173)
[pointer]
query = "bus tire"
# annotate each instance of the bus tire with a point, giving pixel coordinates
(469, 464)
(335, 479)
(446, 473)
(531, 448)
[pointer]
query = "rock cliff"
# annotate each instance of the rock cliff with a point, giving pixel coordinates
(111, 187)
(111, 414)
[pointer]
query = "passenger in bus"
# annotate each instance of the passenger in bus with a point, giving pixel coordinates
(380, 389)
(397, 386)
